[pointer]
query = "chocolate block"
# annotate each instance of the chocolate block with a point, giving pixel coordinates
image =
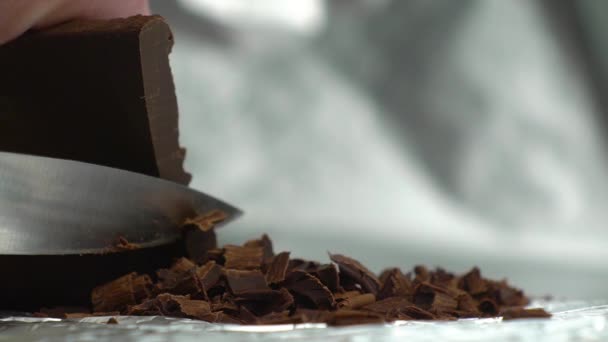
(94, 91)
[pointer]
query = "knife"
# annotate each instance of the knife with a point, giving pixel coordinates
(52, 206)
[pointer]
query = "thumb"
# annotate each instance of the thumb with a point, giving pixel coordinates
(18, 16)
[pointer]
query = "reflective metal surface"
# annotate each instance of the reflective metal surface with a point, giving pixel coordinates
(51, 206)
(571, 321)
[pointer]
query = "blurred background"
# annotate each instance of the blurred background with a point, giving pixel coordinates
(404, 132)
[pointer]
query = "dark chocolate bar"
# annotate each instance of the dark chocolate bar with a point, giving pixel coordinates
(94, 91)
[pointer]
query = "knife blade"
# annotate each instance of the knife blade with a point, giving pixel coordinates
(53, 206)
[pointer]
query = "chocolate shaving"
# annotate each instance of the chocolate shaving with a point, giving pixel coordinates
(328, 275)
(124, 245)
(422, 273)
(473, 283)
(468, 306)
(488, 307)
(120, 293)
(277, 268)
(264, 243)
(395, 283)
(198, 243)
(215, 254)
(172, 305)
(205, 222)
(509, 296)
(250, 285)
(302, 265)
(208, 275)
(305, 285)
(427, 296)
(417, 313)
(351, 268)
(180, 279)
(241, 282)
(263, 302)
(243, 258)
(357, 301)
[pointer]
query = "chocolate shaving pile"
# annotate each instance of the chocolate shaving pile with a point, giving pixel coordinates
(250, 284)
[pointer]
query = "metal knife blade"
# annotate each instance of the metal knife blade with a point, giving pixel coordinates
(52, 206)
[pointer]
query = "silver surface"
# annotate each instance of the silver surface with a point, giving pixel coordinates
(51, 206)
(571, 321)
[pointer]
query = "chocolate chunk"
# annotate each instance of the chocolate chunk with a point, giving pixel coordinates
(149, 307)
(205, 222)
(120, 293)
(348, 284)
(263, 302)
(191, 308)
(174, 306)
(488, 307)
(328, 275)
(180, 279)
(422, 273)
(351, 268)
(518, 313)
(199, 243)
(467, 305)
(216, 255)
(116, 109)
(509, 296)
(305, 285)
(208, 275)
(473, 283)
(264, 243)
(428, 296)
(241, 282)
(302, 265)
(443, 279)
(277, 268)
(225, 303)
(199, 235)
(395, 283)
(243, 258)
(182, 265)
